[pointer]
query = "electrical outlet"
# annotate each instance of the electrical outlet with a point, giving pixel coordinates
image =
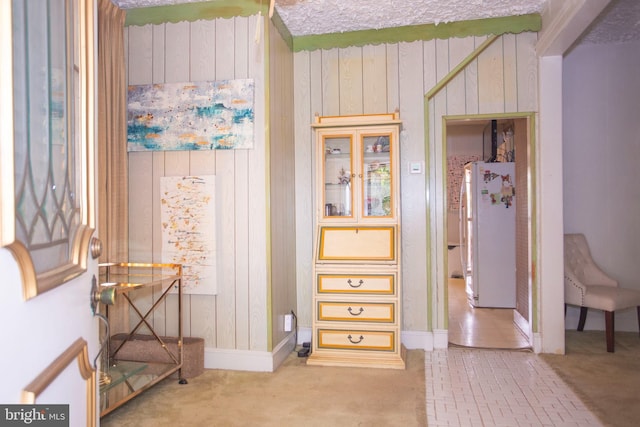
(288, 322)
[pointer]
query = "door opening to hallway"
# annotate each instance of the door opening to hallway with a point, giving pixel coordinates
(480, 312)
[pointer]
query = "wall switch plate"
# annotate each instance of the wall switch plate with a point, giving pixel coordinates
(288, 322)
(415, 167)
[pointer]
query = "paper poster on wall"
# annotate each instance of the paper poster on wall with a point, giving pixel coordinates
(213, 115)
(187, 215)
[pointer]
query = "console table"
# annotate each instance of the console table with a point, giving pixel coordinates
(122, 379)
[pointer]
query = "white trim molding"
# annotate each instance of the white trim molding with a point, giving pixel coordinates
(247, 360)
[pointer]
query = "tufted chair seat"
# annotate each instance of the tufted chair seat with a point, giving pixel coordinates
(587, 286)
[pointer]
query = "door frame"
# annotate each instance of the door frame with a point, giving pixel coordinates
(530, 326)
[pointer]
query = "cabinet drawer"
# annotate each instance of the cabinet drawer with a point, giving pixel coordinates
(356, 340)
(330, 311)
(375, 284)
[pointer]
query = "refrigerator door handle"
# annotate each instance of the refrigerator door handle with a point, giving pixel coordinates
(462, 225)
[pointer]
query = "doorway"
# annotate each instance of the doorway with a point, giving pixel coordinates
(475, 321)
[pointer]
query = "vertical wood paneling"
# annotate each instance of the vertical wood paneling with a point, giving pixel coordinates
(527, 70)
(429, 68)
(140, 178)
(350, 63)
(510, 72)
(202, 45)
(393, 80)
(139, 58)
(459, 49)
(156, 171)
(316, 79)
(437, 185)
(374, 79)
(257, 173)
(202, 38)
(157, 51)
(330, 82)
(471, 82)
(241, 187)
(491, 79)
(176, 52)
(225, 199)
(140, 228)
(413, 250)
(176, 163)
(282, 186)
(303, 115)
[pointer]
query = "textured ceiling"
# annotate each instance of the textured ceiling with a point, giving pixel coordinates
(619, 23)
(304, 17)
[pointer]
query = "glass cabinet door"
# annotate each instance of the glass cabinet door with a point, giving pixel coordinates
(337, 176)
(377, 176)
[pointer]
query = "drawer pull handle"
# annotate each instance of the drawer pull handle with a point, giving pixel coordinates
(360, 283)
(355, 314)
(355, 342)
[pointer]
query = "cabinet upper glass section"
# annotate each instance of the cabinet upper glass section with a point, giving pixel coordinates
(357, 165)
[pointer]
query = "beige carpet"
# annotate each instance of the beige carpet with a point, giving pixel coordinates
(294, 395)
(607, 383)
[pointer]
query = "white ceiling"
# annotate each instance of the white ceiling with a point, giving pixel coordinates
(619, 23)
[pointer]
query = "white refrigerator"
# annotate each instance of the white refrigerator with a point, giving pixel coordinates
(487, 234)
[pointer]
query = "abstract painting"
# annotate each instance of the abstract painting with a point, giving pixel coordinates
(191, 116)
(187, 216)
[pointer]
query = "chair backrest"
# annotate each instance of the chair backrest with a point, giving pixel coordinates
(578, 260)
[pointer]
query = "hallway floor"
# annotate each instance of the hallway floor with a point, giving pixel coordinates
(476, 387)
(481, 327)
(497, 380)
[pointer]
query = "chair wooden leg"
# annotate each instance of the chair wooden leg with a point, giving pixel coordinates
(609, 321)
(638, 309)
(583, 318)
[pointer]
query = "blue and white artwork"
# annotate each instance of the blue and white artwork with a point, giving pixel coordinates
(191, 116)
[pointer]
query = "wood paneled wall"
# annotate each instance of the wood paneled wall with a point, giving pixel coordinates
(235, 318)
(282, 185)
(383, 78)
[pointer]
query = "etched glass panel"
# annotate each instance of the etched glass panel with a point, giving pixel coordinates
(46, 102)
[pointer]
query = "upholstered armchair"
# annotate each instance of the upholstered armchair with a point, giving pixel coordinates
(587, 286)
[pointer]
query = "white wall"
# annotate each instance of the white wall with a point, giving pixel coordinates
(601, 152)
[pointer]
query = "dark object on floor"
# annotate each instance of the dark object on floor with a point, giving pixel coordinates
(145, 348)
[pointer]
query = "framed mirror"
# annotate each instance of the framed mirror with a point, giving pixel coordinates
(49, 226)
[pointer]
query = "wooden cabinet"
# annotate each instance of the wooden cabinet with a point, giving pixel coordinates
(358, 158)
(357, 290)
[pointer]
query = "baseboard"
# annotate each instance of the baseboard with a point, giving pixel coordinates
(265, 361)
(246, 360)
(417, 340)
(440, 339)
(537, 343)
(522, 324)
